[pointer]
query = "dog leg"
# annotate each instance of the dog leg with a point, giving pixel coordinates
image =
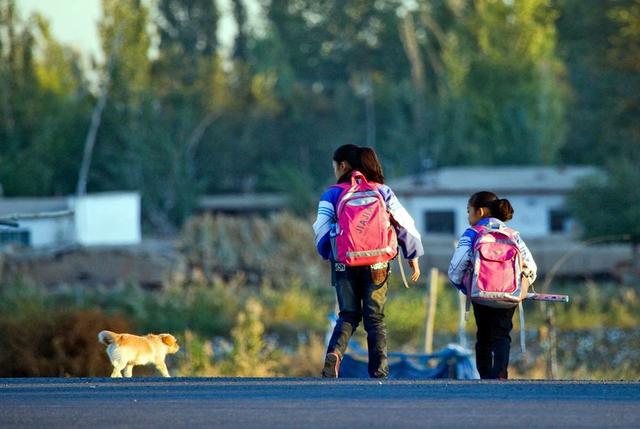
(118, 366)
(162, 367)
(128, 371)
(116, 372)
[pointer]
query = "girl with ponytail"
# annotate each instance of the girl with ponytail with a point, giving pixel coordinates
(362, 290)
(493, 339)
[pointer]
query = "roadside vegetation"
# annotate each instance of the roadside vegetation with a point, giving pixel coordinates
(265, 315)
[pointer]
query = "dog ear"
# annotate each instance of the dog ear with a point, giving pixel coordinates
(168, 339)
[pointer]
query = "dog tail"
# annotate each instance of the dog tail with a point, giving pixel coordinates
(107, 337)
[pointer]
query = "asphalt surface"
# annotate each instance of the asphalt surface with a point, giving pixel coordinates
(314, 403)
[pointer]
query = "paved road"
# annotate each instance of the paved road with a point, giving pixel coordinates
(314, 403)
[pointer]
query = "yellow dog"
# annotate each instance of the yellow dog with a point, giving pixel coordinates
(126, 350)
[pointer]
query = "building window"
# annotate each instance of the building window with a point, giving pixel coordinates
(559, 221)
(439, 221)
(18, 236)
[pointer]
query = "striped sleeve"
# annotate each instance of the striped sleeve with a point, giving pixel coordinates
(461, 259)
(408, 236)
(530, 267)
(325, 222)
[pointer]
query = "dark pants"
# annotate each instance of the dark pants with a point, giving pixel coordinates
(493, 340)
(361, 297)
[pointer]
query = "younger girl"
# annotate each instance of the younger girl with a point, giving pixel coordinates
(362, 291)
(494, 324)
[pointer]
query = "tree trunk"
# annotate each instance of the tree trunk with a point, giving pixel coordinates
(418, 77)
(635, 260)
(89, 143)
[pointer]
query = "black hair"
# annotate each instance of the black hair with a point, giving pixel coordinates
(498, 207)
(363, 159)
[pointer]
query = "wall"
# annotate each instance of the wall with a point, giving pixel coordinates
(107, 219)
(531, 215)
(49, 231)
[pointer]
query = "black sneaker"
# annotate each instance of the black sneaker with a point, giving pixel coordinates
(331, 365)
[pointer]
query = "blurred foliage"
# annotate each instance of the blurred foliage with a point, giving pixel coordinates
(195, 358)
(427, 83)
(608, 207)
(254, 318)
(618, 191)
(271, 251)
(598, 42)
(56, 344)
(251, 354)
(231, 330)
(597, 306)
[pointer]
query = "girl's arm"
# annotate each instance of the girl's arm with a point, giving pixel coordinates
(325, 222)
(408, 236)
(530, 267)
(461, 259)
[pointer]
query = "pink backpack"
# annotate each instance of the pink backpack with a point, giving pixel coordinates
(364, 234)
(496, 279)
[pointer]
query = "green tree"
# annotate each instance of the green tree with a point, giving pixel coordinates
(625, 55)
(125, 39)
(506, 99)
(335, 65)
(608, 207)
(120, 161)
(182, 77)
(444, 81)
(599, 43)
(158, 107)
(44, 105)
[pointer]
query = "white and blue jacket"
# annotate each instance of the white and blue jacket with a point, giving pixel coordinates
(408, 236)
(463, 255)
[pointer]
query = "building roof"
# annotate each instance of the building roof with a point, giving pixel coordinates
(498, 179)
(36, 207)
(29, 205)
(247, 202)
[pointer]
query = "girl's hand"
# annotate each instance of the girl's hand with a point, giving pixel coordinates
(415, 268)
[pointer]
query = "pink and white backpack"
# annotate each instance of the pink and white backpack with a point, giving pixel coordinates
(364, 234)
(496, 278)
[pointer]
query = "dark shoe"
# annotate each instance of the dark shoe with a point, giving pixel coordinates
(331, 365)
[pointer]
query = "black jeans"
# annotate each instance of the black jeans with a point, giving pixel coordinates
(360, 297)
(493, 340)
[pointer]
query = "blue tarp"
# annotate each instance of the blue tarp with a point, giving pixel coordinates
(453, 362)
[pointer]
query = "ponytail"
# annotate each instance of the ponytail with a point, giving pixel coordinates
(499, 208)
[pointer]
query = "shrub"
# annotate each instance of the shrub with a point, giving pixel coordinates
(251, 356)
(277, 250)
(59, 344)
(295, 310)
(195, 358)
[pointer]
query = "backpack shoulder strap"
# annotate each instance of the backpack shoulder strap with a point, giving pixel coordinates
(479, 229)
(523, 348)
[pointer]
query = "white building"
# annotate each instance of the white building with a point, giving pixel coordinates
(110, 218)
(437, 199)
